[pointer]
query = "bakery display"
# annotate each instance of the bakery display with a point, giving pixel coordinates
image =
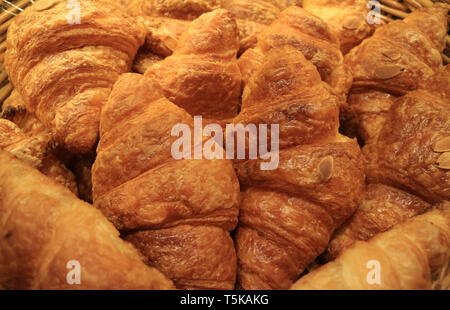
(224, 145)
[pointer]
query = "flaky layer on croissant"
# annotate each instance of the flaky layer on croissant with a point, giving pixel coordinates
(139, 186)
(402, 53)
(411, 151)
(44, 228)
(404, 257)
(348, 19)
(398, 58)
(381, 208)
(24, 136)
(289, 214)
(64, 68)
(202, 75)
(310, 35)
(166, 22)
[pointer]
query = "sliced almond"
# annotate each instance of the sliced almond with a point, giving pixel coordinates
(42, 5)
(388, 71)
(326, 166)
(442, 145)
(444, 161)
(352, 23)
(392, 55)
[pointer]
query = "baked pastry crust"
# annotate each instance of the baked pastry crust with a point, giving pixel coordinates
(64, 71)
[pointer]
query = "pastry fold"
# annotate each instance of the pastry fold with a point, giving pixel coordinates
(403, 258)
(202, 75)
(170, 209)
(45, 228)
(310, 35)
(64, 68)
(288, 214)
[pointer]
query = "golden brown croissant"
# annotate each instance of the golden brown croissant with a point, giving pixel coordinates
(166, 22)
(25, 137)
(162, 33)
(347, 18)
(404, 257)
(176, 9)
(202, 75)
(381, 208)
(309, 34)
(44, 228)
(288, 214)
(64, 65)
(402, 53)
(411, 151)
(398, 58)
(180, 211)
(410, 138)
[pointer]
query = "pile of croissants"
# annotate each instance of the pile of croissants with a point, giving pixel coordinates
(359, 199)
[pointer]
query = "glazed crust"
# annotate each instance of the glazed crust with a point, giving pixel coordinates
(403, 155)
(166, 23)
(202, 75)
(289, 214)
(310, 35)
(287, 90)
(64, 71)
(24, 136)
(347, 18)
(202, 266)
(408, 255)
(139, 186)
(39, 236)
(402, 44)
(382, 207)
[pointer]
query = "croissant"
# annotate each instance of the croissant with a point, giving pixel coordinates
(64, 70)
(347, 18)
(287, 215)
(395, 60)
(310, 35)
(25, 137)
(162, 33)
(411, 151)
(177, 212)
(402, 53)
(381, 208)
(202, 75)
(40, 238)
(404, 257)
(408, 153)
(166, 23)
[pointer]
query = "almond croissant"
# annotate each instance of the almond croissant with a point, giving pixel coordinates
(408, 153)
(403, 258)
(166, 22)
(64, 70)
(44, 227)
(347, 18)
(202, 75)
(177, 212)
(395, 60)
(288, 214)
(310, 35)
